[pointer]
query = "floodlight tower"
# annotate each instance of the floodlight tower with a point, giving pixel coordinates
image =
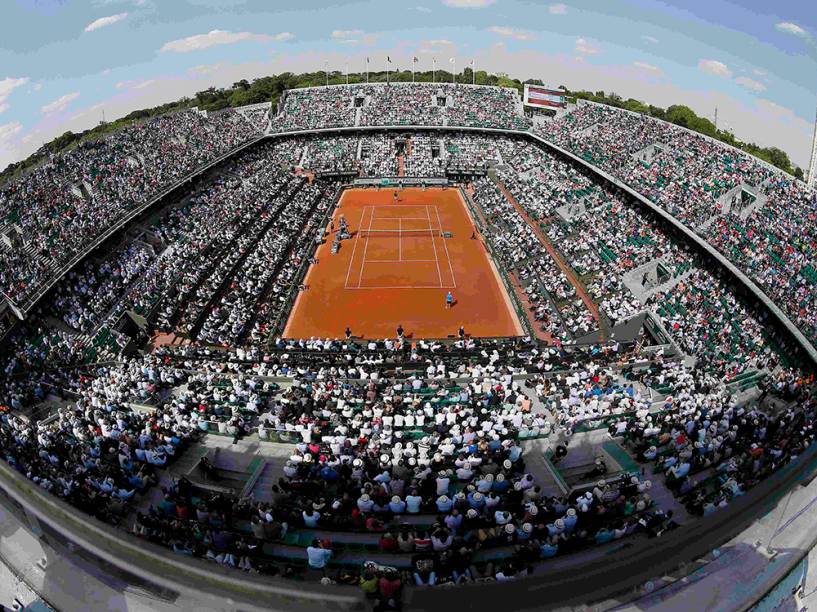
(811, 177)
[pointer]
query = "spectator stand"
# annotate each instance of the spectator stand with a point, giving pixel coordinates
(693, 239)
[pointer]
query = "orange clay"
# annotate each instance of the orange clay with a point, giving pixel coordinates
(375, 283)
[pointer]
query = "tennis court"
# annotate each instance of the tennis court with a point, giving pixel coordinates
(400, 247)
(402, 259)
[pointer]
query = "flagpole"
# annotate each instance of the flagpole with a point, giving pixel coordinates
(347, 73)
(387, 70)
(433, 69)
(473, 72)
(326, 72)
(454, 73)
(367, 71)
(412, 70)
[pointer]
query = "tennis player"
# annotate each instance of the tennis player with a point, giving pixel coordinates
(449, 300)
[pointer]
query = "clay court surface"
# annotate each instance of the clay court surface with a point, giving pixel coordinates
(397, 269)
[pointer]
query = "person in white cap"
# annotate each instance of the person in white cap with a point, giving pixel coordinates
(443, 481)
(557, 528)
(464, 473)
(487, 482)
(365, 503)
(444, 504)
(476, 500)
(397, 505)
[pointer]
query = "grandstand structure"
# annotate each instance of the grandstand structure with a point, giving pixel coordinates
(232, 376)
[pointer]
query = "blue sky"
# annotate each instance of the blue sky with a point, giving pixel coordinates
(64, 63)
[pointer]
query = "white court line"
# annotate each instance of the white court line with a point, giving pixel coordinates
(434, 244)
(365, 248)
(354, 248)
(403, 287)
(400, 241)
(447, 256)
(371, 261)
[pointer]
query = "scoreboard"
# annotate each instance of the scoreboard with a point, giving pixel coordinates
(543, 97)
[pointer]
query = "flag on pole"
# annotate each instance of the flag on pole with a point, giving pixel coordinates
(451, 59)
(388, 59)
(415, 60)
(367, 60)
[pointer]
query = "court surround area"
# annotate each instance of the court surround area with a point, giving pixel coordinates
(403, 258)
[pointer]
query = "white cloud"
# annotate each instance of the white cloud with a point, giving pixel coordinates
(773, 109)
(791, 28)
(219, 37)
(421, 9)
(512, 33)
(557, 9)
(344, 34)
(759, 72)
(8, 130)
(8, 85)
(650, 39)
(647, 67)
(437, 45)
(134, 84)
(60, 104)
(350, 37)
(714, 67)
(354, 37)
(585, 47)
(468, 3)
(750, 84)
(111, 2)
(104, 21)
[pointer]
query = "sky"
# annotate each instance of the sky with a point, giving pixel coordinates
(65, 64)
